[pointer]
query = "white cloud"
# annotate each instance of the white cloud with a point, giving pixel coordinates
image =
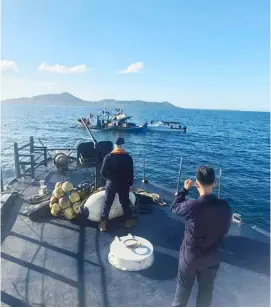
(13, 86)
(6, 65)
(133, 68)
(61, 69)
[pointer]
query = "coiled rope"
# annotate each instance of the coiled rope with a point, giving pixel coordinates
(35, 199)
(155, 197)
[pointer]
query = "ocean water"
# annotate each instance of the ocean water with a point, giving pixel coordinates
(237, 142)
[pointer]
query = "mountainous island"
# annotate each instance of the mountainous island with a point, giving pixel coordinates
(67, 98)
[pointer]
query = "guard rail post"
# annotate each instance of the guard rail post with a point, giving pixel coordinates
(31, 141)
(144, 180)
(2, 183)
(16, 161)
(45, 156)
(32, 167)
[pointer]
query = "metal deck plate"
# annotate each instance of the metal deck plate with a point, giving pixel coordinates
(59, 263)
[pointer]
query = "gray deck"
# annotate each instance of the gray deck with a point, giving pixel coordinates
(59, 263)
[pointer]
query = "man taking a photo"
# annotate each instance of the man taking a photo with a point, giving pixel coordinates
(207, 221)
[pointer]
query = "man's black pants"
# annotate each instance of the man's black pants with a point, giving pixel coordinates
(186, 278)
(123, 190)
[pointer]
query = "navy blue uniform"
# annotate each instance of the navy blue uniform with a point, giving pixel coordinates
(207, 221)
(118, 170)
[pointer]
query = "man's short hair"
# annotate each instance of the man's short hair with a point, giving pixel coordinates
(119, 141)
(205, 175)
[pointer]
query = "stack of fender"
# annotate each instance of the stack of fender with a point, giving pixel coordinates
(65, 200)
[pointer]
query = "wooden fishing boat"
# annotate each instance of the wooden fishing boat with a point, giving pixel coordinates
(166, 126)
(118, 122)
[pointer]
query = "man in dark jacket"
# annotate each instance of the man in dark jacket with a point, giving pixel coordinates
(118, 170)
(207, 221)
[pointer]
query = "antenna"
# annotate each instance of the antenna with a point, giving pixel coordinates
(144, 180)
(179, 175)
(219, 183)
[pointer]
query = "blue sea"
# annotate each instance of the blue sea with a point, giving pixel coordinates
(238, 142)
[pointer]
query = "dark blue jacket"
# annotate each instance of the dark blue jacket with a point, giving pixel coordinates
(207, 221)
(118, 168)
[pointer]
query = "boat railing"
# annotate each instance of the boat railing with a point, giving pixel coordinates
(32, 156)
(28, 157)
(237, 218)
(25, 164)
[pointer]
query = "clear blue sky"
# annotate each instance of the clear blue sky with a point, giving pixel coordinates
(193, 53)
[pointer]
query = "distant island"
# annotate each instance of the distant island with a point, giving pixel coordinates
(67, 98)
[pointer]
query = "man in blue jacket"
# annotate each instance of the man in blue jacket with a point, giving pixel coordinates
(207, 221)
(118, 170)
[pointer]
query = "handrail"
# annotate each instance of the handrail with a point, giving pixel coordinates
(26, 155)
(38, 147)
(33, 149)
(34, 164)
(23, 147)
(59, 149)
(39, 156)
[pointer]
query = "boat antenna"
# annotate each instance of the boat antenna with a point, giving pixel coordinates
(219, 183)
(144, 180)
(89, 132)
(179, 175)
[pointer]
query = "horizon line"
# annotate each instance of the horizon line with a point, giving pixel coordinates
(133, 100)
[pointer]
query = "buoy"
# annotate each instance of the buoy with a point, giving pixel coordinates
(131, 253)
(64, 203)
(74, 196)
(67, 186)
(95, 203)
(58, 192)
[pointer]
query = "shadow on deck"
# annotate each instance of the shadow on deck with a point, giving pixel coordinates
(89, 280)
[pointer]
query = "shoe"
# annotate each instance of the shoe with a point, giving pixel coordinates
(102, 226)
(130, 223)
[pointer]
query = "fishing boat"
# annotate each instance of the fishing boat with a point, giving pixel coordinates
(166, 126)
(114, 122)
(56, 262)
(124, 126)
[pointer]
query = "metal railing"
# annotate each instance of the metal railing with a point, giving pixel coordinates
(34, 162)
(20, 164)
(28, 157)
(25, 159)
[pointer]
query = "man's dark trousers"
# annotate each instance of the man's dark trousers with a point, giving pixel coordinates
(185, 280)
(123, 190)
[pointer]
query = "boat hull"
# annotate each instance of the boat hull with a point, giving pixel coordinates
(163, 128)
(137, 129)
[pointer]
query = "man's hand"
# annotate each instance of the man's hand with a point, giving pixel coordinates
(188, 183)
